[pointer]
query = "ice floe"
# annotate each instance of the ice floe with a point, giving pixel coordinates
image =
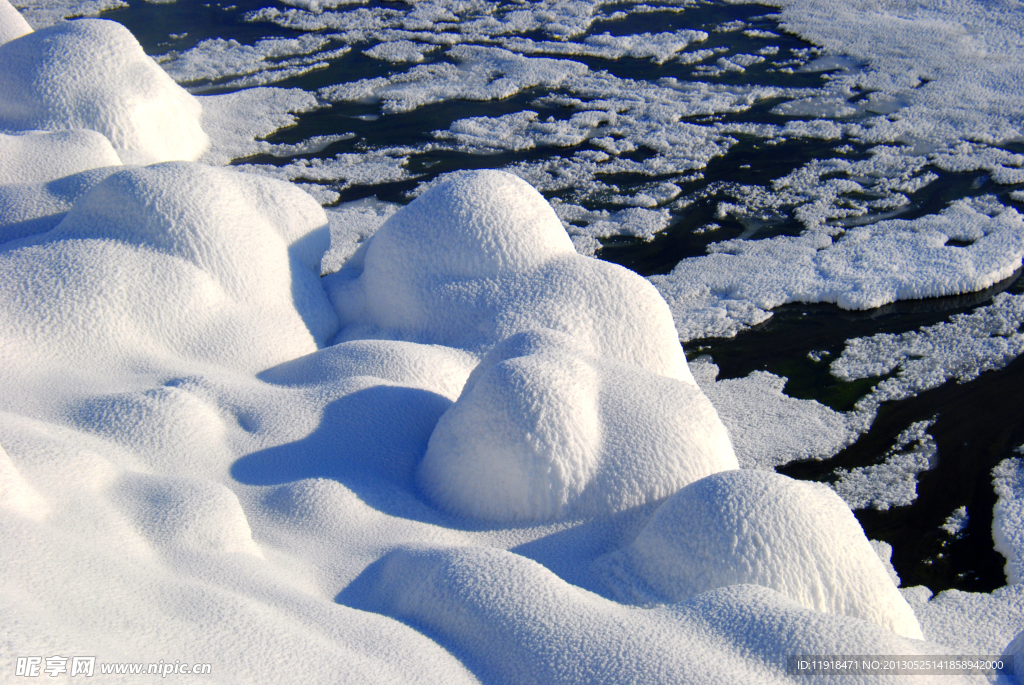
(893, 481)
(868, 266)
(962, 348)
(768, 428)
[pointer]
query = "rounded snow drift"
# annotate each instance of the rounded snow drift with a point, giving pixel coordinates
(760, 528)
(93, 74)
(543, 430)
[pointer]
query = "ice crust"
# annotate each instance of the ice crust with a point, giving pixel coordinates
(761, 529)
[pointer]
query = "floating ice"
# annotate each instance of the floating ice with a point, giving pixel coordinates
(272, 59)
(54, 79)
(768, 428)
(956, 522)
(545, 430)
(969, 622)
(761, 528)
(962, 348)
(893, 482)
(399, 51)
(352, 224)
(43, 13)
(236, 122)
(486, 74)
(956, 68)
(869, 266)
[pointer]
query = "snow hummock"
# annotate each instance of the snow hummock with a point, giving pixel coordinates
(760, 528)
(92, 74)
(481, 257)
(37, 157)
(239, 252)
(521, 623)
(544, 429)
(12, 24)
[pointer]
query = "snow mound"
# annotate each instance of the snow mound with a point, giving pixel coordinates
(30, 208)
(93, 74)
(518, 622)
(760, 528)
(12, 24)
(169, 262)
(544, 430)
(187, 514)
(480, 257)
(38, 157)
(443, 370)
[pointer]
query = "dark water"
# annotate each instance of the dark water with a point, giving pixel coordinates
(978, 423)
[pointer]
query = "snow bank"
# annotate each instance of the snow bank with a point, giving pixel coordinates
(12, 24)
(481, 257)
(173, 261)
(16, 494)
(761, 528)
(92, 74)
(515, 621)
(37, 157)
(545, 430)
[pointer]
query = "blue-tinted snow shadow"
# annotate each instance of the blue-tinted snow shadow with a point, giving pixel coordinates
(370, 440)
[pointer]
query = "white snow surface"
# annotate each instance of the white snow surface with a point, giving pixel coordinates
(1008, 517)
(761, 529)
(189, 467)
(544, 429)
(50, 79)
(12, 24)
(740, 281)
